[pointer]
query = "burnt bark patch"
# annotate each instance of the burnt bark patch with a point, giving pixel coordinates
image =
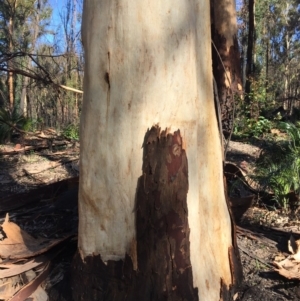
(162, 230)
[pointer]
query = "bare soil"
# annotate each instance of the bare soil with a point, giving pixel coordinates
(262, 233)
(35, 163)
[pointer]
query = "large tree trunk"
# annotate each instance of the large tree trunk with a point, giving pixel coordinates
(153, 218)
(226, 58)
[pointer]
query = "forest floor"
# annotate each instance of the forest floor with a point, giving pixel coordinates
(262, 232)
(36, 162)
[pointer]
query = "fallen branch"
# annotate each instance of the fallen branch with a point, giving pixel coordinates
(255, 257)
(232, 171)
(29, 148)
(255, 236)
(46, 80)
(71, 89)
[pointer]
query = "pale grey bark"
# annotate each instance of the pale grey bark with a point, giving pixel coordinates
(149, 63)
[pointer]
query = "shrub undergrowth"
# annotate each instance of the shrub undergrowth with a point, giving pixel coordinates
(251, 127)
(71, 131)
(11, 122)
(278, 167)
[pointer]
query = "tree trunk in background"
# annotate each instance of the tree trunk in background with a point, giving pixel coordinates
(250, 51)
(226, 58)
(23, 100)
(10, 75)
(287, 101)
(243, 63)
(267, 63)
(153, 218)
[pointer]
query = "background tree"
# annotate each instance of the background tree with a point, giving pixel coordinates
(226, 58)
(46, 65)
(250, 65)
(12, 16)
(272, 83)
(164, 232)
(35, 27)
(73, 63)
(22, 22)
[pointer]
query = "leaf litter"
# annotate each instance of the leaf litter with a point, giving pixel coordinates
(38, 187)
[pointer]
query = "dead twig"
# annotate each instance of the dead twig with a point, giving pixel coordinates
(255, 236)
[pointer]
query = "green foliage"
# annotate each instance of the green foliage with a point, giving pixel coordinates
(276, 52)
(250, 127)
(71, 131)
(36, 124)
(258, 94)
(11, 122)
(249, 121)
(278, 168)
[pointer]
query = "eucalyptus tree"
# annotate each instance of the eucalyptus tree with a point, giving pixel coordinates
(10, 19)
(35, 27)
(288, 52)
(276, 57)
(72, 62)
(153, 218)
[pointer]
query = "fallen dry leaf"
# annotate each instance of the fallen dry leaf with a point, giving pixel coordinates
(290, 266)
(38, 295)
(31, 287)
(288, 270)
(292, 245)
(275, 131)
(12, 269)
(19, 244)
(279, 257)
(9, 286)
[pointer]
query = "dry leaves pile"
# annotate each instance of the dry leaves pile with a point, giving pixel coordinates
(24, 263)
(290, 266)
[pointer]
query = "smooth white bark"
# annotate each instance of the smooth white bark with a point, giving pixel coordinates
(146, 63)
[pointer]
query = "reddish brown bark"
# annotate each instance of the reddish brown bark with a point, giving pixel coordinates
(250, 68)
(226, 59)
